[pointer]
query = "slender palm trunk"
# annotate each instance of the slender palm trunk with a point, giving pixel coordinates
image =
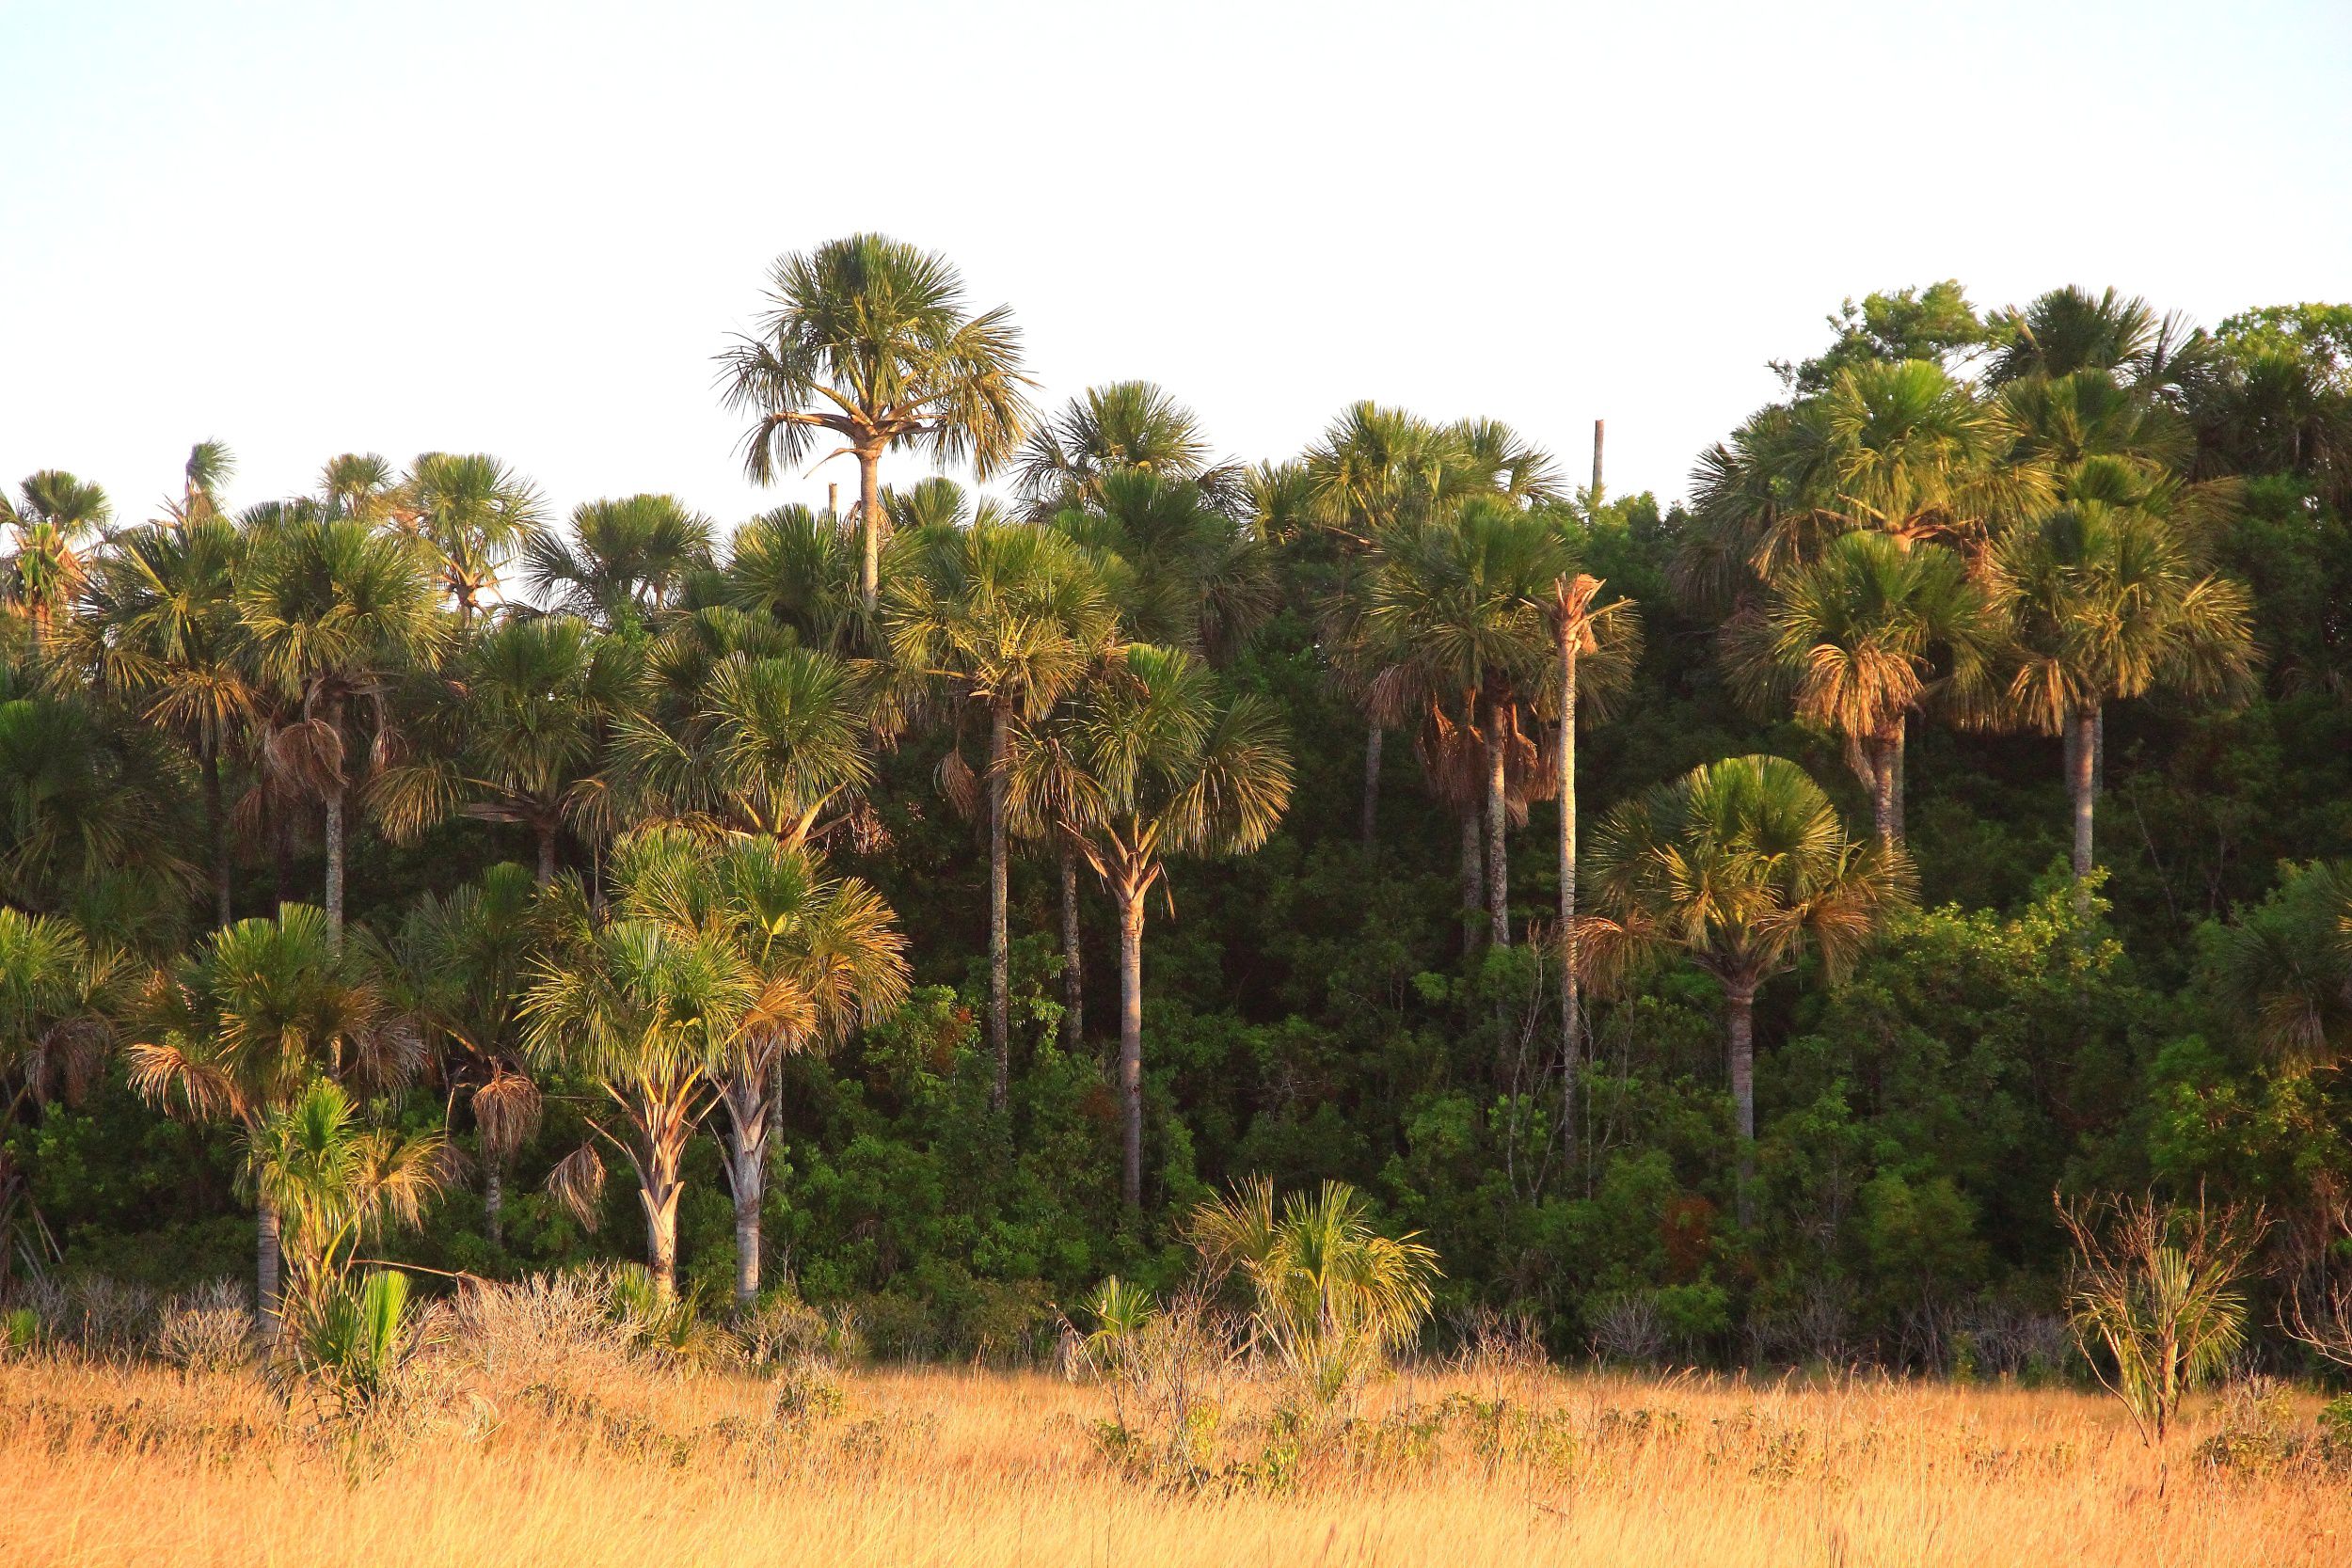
(1375, 742)
(747, 1173)
(1073, 1007)
(1131, 1041)
(265, 1262)
(1903, 771)
(1886, 759)
(999, 949)
(1740, 1006)
(216, 832)
(1571, 1035)
(1498, 837)
(870, 520)
(281, 857)
(493, 1200)
(1473, 874)
(547, 853)
(335, 867)
(2082, 767)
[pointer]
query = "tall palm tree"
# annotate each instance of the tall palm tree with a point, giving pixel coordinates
(240, 1026)
(52, 522)
(476, 513)
(1121, 427)
(869, 339)
(625, 561)
(2068, 330)
(1461, 607)
(2104, 601)
(203, 477)
(159, 631)
(648, 1007)
(827, 956)
(1609, 634)
(460, 960)
(1739, 867)
(998, 621)
(336, 611)
(1182, 769)
(1864, 635)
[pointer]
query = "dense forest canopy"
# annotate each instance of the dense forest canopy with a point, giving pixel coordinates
(927, 906)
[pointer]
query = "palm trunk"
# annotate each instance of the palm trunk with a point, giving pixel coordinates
(1498, 837)
(265, 1259)
(1571, 1037)
(659, 1196)
(1073, 1010)
(1885, 787)
(216, 831)
(1903, 771)
(1473, 875)
(493, 1201)
(869, 520)
(547, 853)
(999, 949)
(1740, 1005)
(335, 868)
(2082, 767)
(1131, 1042)
(1374, 743)
(747, 1175)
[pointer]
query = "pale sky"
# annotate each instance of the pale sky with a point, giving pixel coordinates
(526, 227)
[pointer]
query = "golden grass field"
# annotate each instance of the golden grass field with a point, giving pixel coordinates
(564, 1461)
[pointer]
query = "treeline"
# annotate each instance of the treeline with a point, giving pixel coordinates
(924, 907)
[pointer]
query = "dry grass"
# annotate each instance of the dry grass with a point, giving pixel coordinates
(562, 1460)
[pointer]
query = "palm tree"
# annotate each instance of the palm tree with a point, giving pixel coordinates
(1123, 425)
(460, 960)
(1610, 635)
(52, 522)
(867, 339)
(1182, 572)
(334, 1182)
(2104, 601)
(1864, 635)
(1739, 867)
(1331, 1296)
(336, 611)
(649, 1008)
(1462, 609)
(1050, 796)
(541, 696)
(750, 739)
(2067, 330)
(159, 630)
(242, 1025)
(800, 568)
(86, 801)
(999, 621)
(475, 513)
(1182, 770)
(202, 478)
(625, 563)
(826, 956)
(2285, 967)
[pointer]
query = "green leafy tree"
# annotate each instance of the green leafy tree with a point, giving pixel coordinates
(476, 513)
(1125, 426)
(50, 524)
(625, 563)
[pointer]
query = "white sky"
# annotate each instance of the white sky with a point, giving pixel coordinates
(526, 227)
